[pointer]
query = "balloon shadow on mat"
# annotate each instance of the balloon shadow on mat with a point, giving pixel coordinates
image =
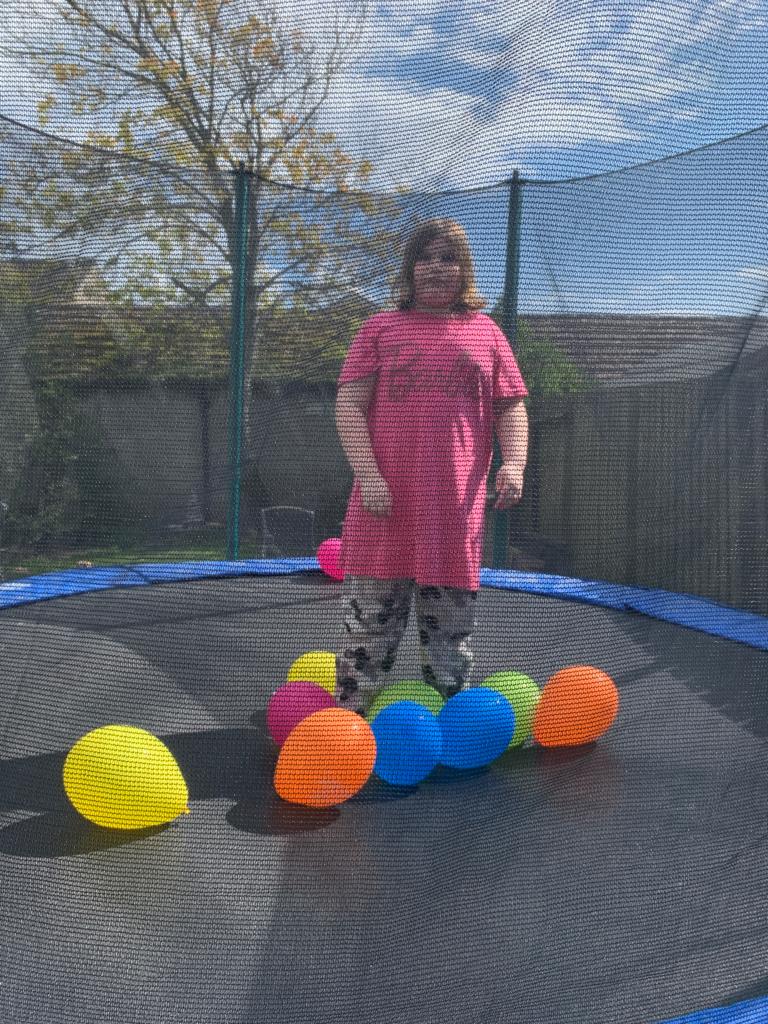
(236, 764)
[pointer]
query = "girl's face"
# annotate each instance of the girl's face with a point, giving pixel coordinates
(436, 277)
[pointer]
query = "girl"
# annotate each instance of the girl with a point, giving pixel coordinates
(419, 396)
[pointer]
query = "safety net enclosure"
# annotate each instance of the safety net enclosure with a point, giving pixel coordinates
(173, 323)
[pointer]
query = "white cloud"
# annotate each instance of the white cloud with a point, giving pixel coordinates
(442, 138)
(368, 114)
(759, 273)
(681, 24)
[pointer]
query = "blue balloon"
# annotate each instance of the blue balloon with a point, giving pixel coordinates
(477, 727)
(408, 743)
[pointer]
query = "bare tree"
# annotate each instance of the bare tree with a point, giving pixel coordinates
(188, 90)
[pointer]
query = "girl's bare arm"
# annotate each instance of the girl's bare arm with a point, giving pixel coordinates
(352, 402)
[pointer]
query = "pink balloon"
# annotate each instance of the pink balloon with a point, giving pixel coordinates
(292, 703)
(328, 556)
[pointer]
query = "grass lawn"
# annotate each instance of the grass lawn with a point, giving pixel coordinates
(16, 564)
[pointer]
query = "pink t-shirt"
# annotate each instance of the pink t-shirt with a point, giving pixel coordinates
(431, 426)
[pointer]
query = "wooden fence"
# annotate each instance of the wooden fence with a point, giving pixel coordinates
(661, 486)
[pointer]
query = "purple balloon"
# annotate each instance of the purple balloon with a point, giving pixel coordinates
(292, 703)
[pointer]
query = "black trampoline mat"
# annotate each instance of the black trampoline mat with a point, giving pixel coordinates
(621, 882)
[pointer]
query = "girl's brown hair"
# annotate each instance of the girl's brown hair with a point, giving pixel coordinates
(468, 300)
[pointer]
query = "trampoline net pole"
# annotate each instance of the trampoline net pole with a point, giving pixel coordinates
(236, 375)
(509, 326)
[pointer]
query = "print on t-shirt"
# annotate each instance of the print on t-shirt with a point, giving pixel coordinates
(410, 373)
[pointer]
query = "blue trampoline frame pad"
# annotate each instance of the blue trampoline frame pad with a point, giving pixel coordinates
(682, 609)
(755, 1011)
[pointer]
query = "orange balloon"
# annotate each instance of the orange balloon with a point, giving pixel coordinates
(577, 705)
(326, 759)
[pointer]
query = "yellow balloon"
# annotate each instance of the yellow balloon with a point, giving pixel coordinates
(118, 776)
(315, 667)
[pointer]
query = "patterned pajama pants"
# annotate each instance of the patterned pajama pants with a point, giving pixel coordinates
(375, 616)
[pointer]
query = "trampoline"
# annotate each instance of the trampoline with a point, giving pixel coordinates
(181, 279)
(624, 881)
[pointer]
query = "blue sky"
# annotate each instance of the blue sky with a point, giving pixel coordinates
(451, 94)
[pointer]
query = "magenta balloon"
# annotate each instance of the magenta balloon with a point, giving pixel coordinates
(328, 556)
(292, 703)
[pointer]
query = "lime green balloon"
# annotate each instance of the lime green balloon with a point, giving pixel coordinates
(523, 694)
(407, 689)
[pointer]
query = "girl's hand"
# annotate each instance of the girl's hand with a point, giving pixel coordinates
(376, 495)
(509, 485)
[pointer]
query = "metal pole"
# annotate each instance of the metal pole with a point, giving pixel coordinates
(237, 359)
(509, 326)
